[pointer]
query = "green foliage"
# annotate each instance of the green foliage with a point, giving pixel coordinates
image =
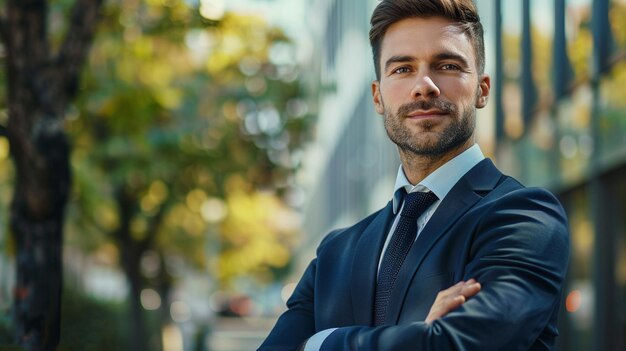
(91, 324)
(87, 324)
(173, 109)
(7, 333)
(187, 118)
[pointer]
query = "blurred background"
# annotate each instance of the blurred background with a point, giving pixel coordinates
(215, 142)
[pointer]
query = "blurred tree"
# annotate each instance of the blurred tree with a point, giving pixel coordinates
(257, 234)
(104, 330)
(42, 78)
(180, 115)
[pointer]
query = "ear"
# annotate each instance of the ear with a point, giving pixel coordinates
(378, 100)
(483, 91)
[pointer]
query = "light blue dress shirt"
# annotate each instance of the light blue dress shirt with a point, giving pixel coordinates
(440, 182)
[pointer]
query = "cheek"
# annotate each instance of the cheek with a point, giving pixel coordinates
(396, 88)
(462, 94)
(392, 97)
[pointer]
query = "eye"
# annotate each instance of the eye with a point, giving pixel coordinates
(401, 70)
(450, 67)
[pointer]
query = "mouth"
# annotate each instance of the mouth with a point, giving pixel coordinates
(424, 114)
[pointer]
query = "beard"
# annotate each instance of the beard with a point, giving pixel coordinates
(457, 132)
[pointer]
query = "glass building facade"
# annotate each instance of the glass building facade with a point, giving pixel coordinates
(556, 119)
(560, 122)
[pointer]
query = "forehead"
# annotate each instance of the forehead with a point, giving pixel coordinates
(421, 37)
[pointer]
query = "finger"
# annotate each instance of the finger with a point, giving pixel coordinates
(470, 290)
(453, 290)
(452, 303)
(444, 306)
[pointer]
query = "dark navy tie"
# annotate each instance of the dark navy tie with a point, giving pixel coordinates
(403, 237)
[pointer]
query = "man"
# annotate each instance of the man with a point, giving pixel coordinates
(388, 282)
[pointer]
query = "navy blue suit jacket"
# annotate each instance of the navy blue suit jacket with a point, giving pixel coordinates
(513, 240)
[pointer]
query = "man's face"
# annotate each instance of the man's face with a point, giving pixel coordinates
(429, 86)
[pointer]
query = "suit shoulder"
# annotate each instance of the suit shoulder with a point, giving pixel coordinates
(511, 202)
(511, 190)
(342, 233)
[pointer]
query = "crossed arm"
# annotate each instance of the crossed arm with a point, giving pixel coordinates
(519, 256)
(446, 301)
(452, 298)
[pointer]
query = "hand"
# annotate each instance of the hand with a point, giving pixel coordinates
(451, 298)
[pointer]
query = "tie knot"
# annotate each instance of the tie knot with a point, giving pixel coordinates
(415, 203)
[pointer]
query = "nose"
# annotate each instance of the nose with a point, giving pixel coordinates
(425, 87)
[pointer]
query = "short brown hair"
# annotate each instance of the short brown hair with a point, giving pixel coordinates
(464, 12)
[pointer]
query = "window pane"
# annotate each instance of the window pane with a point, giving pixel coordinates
(612, 124)
(575, 144)
(617, 16)
(511, 41)
(542, 23)
(579, 294)
(579, 37)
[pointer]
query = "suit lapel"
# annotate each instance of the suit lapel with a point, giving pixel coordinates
(480, 179)
(365, 266)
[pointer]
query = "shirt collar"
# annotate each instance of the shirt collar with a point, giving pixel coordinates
(441, 181)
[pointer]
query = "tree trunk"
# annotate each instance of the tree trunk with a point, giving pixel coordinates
(131, 256)
(164, 287)
(39, 87)
(139, 337)
(41, 156)
(132, 250)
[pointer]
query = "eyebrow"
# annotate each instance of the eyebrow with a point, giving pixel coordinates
(446, 55)
(452, 56)
(398, 59)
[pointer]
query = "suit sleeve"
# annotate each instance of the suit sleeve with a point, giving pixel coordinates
(519, 253)
(297, 324)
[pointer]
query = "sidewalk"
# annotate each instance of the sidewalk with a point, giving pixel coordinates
(239, 334)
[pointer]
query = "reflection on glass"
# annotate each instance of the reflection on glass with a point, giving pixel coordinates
(574, 144)
(612, 116)
(511, 41)
(578, 23)
(542, 24)
(573, 301)
(585, 127)
(539, 149)
(620, 268)
(579, 293)
(617, 16)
